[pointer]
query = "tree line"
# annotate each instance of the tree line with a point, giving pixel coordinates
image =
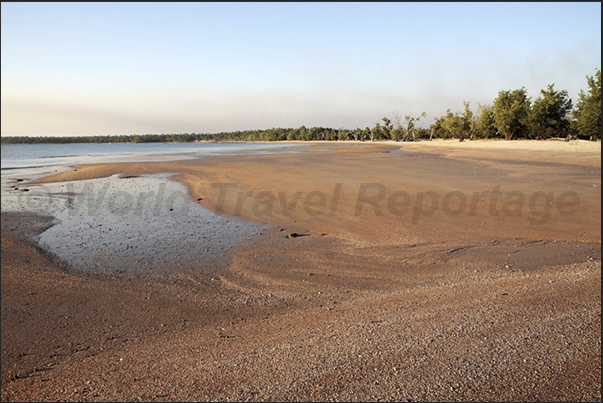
(512, 115)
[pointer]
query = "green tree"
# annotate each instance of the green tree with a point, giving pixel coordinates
(485, 127)
(437, 128)
(314, 133)
(422, 133)
(588, 109)
(397, 129)
(356, 134)
(302, 133)
(451, 125)
(511, 110)
(375, 132)
(411, 121)
(548, 115)
(467, 123)
(387, 128)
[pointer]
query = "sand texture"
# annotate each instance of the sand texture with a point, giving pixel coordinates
(428, 271)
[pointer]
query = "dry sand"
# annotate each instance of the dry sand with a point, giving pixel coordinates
(382, 297)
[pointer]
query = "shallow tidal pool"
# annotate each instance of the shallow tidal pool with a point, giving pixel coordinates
(128, 224)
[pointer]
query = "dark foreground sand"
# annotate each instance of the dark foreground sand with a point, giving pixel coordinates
(374, 301)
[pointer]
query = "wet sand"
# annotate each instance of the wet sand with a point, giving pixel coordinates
(395, 289)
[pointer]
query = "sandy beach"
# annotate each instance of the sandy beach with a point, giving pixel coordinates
(427, 271)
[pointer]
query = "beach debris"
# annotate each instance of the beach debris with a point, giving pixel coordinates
(200, 198)
(293, 235)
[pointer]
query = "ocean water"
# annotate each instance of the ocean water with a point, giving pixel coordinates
(32, 161)
(23, 156)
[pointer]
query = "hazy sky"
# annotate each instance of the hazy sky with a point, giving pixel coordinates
(135, 68)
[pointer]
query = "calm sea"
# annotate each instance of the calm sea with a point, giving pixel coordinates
(19, 156)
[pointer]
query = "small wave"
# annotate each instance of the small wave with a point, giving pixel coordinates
(59, 156)
(30, 167)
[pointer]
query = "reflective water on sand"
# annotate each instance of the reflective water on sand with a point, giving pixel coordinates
(117, 225)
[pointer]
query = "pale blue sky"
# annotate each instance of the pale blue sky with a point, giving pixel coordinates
(128, 68)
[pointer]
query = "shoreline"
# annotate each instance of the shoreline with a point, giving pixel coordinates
(223, 184)
(358, 307)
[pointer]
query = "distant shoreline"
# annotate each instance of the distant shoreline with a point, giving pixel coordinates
(438, 140)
